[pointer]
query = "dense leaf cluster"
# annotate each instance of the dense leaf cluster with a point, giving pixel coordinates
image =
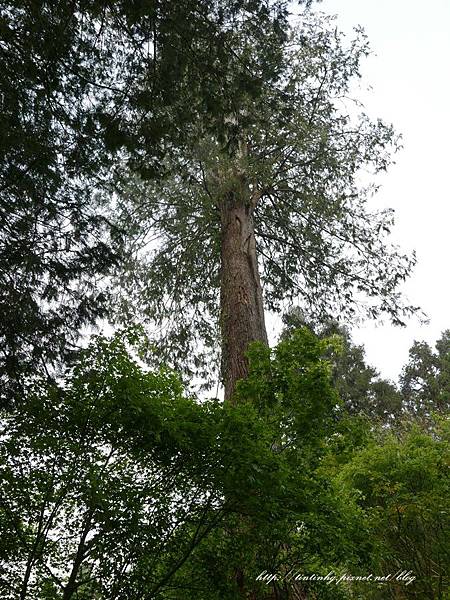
(116, 484)
(115, 477)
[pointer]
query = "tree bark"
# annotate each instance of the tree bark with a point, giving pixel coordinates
(241, 301)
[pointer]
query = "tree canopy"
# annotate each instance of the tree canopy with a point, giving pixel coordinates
(86, 86)
(425, 379)
(294, 155)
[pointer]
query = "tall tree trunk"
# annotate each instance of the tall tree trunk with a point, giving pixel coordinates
(241, 301)
(242, 312)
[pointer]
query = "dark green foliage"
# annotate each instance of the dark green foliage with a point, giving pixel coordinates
(402, 486)
(53, 237)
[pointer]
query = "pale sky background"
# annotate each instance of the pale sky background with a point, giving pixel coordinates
(409, 73)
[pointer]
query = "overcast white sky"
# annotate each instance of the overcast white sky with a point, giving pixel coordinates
(410, 78)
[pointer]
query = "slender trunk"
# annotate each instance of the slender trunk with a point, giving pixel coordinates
(72, 585)
(242, 312)
(24, 586)
(32, 557)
